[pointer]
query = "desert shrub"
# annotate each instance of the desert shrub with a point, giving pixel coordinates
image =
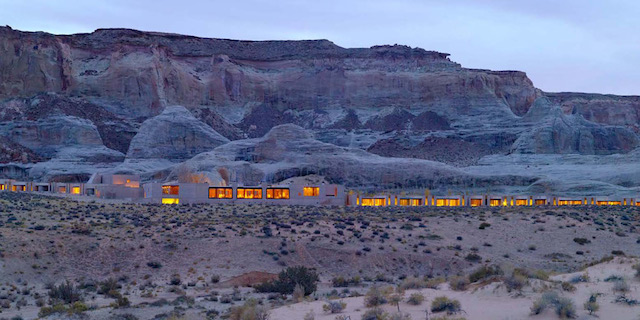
(342, 317)
(532, 274)
(484, 225)
(334, 307)
(65, 293)
(415, 299)
(434, 283)
(340, 282)
(580, 278)
(621, 286)
(215, 278)
(581, 241)
(636, 267)
(442, 303)
(592, 305)
(473, 257)
(109, 287)
(375, 314)
(563, 307)
(289, 278)
(400, 316)
(298, 293)
(484, 272)
(412, 283)
(458, 283)
(568, 287)
(251, 310)
(154, 264)
(310, 315)
(75, 308)
(377, 296)
(515, 282)
(613, 278)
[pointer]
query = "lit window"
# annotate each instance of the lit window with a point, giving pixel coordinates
(220, 193)
(311, 191)
(2, 187)
(75, 190)
(404, 202)
(171, 190)
(277, 193)
(170, 200)
(128, 180)
(521, 202)
(494, 202)
(377, 202)
(62, 190)
(249, 193)
(476, 202)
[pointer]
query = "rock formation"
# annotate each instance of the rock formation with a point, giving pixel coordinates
(173, 134)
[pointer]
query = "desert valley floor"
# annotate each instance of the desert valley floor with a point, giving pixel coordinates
(196, 261)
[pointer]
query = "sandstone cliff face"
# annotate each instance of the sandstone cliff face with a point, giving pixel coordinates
(173, 134)
(90, 98)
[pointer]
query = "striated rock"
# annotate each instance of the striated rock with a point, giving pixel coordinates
(555, 132)
(173, 134)
(290, 151)
(601, 108)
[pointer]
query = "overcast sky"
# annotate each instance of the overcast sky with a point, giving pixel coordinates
(563, 45)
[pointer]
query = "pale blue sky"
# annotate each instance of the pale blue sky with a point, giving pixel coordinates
(569, 45)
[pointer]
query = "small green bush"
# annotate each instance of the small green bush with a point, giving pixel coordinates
(375, 314)
(334, 307)
(484, 272)
(416, 299)
(65, 293)
(289, 278)
(377, 296)
(592, 305)
(458, 283)
(442, 303)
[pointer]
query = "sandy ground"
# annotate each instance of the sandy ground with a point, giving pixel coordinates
(50, 239)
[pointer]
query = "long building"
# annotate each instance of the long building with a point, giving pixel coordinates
(129, 188)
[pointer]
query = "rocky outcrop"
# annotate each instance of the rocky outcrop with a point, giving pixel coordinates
(601, 108)
(289, 151)
(555, 132)
(173, 134)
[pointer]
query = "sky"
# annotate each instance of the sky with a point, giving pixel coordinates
(562, 45)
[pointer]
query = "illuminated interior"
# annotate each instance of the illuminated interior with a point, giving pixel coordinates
(62, 189)
(569, 202)
(410, 202)
(220, 193)
(540, 202)
(608, 203)
(75, 190)
(249, 193)
(494, 202)
(475, 202)
(277, 193)
(521, 202)
(2, 187)
(19, 188)
(171, 190)
(170, 200)
(374, 202)
(311, 191)
(447, 202)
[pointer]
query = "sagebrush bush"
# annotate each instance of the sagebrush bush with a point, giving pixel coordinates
(563, 307)
(412, 283)
(65, 293)
(251, 310)
(377, 296)
(484, 272)
(375, 314)
(334, 306)
(442, 303)
(592, 304)
(289, 278)
(400, 316)
(621, 286)
(458, 283)
(416, 299)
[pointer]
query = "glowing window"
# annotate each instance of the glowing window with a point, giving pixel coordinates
(2, 187)
(170, 200)
(569, 202)
(608, 203)
(410, 202)
(521, 202)
(476, 202)
(375, 202)
(75, 190)
(277, 193)
(404, 202)
(494, 202)
(62, 189)
(171, 190)
(249, 193)
(220, 193)
(311, 191)
(541, 202)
